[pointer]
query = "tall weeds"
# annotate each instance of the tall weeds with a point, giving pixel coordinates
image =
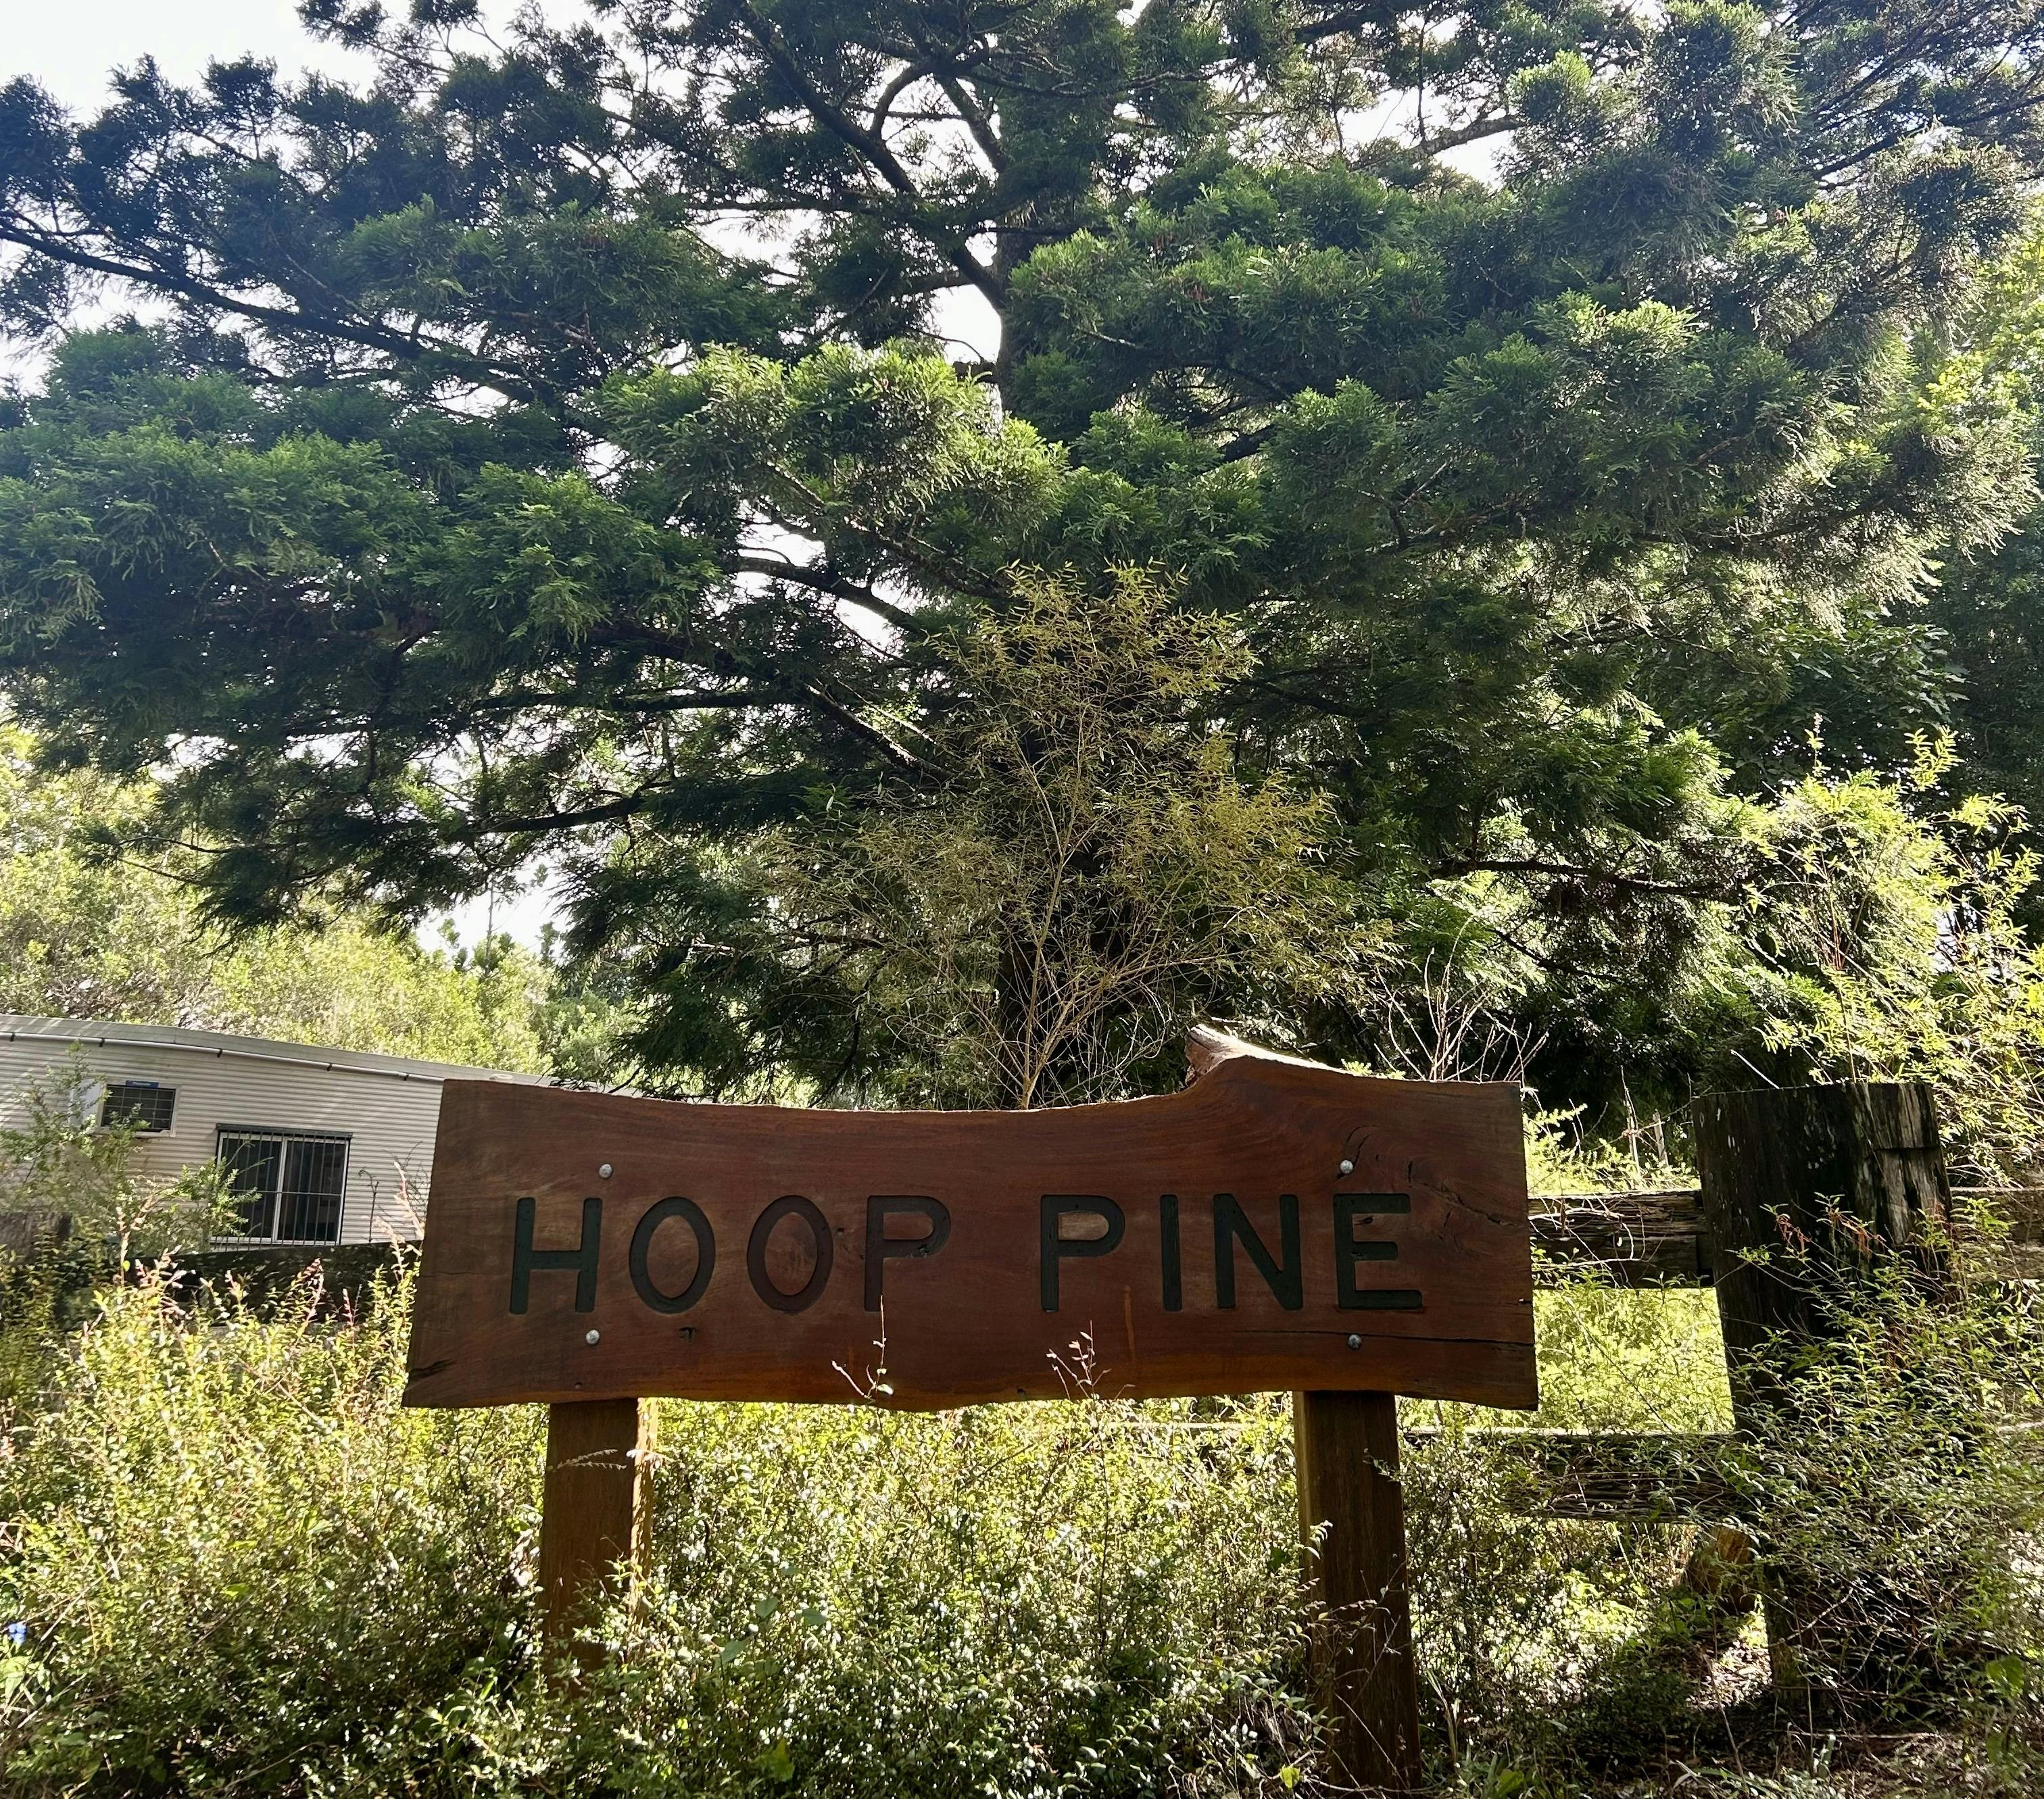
(237, 1561)
(243, 1568)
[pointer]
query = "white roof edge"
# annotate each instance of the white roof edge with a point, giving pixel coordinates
(99, 1033)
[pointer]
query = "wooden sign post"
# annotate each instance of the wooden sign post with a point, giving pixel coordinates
(1276, 1226)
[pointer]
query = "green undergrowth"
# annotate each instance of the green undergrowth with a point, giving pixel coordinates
(241, 1565)
(238, 1566)
(1614, 1358)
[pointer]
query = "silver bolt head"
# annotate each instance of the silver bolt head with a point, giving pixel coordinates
(596, 1337)
(1354, 1342)
(1346, 1167)
(604, 1171)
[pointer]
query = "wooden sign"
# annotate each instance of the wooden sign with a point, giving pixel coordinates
(1275, 1225)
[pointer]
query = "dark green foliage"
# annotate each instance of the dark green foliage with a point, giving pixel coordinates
(485, 487)
(1992, 609)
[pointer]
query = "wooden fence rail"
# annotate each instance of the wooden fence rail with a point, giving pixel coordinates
(1611, 1476)
(1658, 1237)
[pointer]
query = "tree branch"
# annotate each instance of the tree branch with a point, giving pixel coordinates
(842, 125)
(407, 347)
(1566, 871)
(823, 581)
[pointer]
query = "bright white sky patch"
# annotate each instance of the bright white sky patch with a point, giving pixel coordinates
(69, 47)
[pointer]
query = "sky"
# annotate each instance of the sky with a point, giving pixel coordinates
(70, 45)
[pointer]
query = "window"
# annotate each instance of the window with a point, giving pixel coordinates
(291, 1186)
(141, 1103)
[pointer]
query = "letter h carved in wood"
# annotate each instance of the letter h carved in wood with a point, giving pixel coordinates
(525, 1259)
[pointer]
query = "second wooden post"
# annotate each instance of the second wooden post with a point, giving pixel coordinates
(1352, 1516)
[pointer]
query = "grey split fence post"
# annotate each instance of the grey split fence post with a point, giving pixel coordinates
(1807, 1192)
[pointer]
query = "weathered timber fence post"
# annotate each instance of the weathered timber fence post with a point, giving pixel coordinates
(596, 1508)
(1805, 1191)
(1352, 1516)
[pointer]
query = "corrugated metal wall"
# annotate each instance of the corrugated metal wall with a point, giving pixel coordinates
(388, 1107)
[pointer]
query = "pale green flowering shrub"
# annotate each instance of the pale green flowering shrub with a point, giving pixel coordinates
(243, 1567)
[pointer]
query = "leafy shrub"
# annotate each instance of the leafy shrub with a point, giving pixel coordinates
(241, 1565)
(45, 1293)
(236, 1557)
(1013, 1600)
(1892, 1483)
(1893, 1489)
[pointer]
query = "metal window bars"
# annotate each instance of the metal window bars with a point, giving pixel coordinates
(292, 1186)
(144, 1104)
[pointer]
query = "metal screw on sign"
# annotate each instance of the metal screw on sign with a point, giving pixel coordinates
(1346, 1167)
(594, 1337)
(1354, 1342)
(604, 1171)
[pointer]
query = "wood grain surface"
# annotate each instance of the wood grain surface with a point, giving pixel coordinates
(596, 1508)
(1352, 1518)
(1201, 1242)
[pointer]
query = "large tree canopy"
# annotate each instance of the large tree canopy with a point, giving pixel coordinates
(556, 443)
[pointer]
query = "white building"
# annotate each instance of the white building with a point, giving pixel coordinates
(327, 1145)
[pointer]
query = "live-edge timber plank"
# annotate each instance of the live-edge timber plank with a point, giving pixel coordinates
(1275, 1226)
